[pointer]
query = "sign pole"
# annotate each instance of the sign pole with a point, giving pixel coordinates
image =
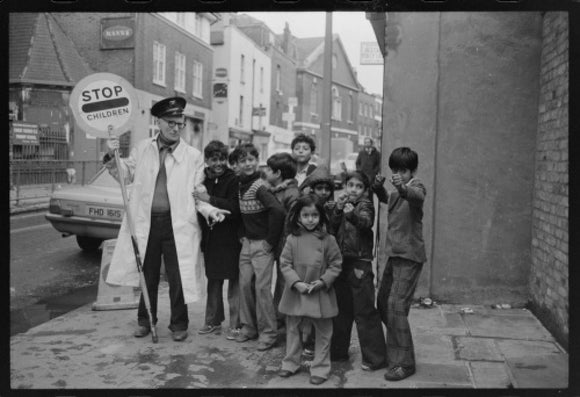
(144, 290)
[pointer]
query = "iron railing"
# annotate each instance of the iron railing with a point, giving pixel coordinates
(33, 181)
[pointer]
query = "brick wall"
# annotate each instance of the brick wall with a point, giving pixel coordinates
(549, 269)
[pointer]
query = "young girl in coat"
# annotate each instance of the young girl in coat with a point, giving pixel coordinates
(310, 262)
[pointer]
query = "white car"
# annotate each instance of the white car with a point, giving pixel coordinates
(92, 213)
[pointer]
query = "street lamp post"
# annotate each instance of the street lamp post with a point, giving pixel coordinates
(325, 121)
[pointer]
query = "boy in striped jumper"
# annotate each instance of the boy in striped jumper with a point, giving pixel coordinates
(263, 222)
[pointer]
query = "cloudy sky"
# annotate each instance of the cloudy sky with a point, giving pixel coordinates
(352, 27)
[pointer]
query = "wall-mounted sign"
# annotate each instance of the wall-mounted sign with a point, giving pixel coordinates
(220, 90)
(101, 101)
(221, 72)
(24, 133)
(370, 53)
(259, 111)
(117, 33)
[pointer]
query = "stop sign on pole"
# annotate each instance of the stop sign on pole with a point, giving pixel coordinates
(104, 100)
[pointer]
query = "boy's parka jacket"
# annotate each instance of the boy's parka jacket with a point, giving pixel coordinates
(353, 230)
(307, 257)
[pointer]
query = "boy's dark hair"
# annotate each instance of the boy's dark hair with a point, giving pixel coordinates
(215, 147)
(304, 138)
(246, 149)
(294, 216)
(283, 162)
(404, 158)
(360, 176)
(233, 157)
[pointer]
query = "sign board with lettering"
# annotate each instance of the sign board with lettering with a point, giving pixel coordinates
(117, 33)
(24, 133)
(370, 53)
(103, 100)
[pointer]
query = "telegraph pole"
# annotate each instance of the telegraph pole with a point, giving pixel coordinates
(325, 120)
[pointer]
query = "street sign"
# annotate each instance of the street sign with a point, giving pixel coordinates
(103, 100)
(259, 111)
(370, 53)
(292, 101)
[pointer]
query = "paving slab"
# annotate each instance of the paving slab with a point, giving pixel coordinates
(512, 348)
(549, 372)
(492, 375)
(476, 349)
(437, 321)
(433, 348)
(507, 326)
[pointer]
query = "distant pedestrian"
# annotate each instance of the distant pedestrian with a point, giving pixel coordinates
(280, 173)
(406, 251)
(352, 219)
(163, 171)
(262, 224)
(220, 242)
(368, 161)
(310, 262)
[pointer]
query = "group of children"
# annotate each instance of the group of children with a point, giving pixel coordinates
(321, 247)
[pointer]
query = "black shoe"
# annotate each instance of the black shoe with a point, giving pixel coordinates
(263, 346)
(141, 331)
(399, 373)
(316, 380)
(284, 373)
(179, 336)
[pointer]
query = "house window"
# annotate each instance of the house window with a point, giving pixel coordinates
(180, 19)
(158, 63)
(314, 98)
(351, 111)
(360, 110)
(242, 71)
(179, 72)
(334, 61)
(278, 78)
(261, 79)
(336, 104)
(197, 79)
(241, 113)
(198, 25)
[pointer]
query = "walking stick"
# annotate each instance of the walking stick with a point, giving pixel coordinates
(135, 246)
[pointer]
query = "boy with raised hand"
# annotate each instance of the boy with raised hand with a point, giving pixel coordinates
(263, 223)
(406, 251)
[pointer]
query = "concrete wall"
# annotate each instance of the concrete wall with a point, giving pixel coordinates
(461, 89)
(549, 265)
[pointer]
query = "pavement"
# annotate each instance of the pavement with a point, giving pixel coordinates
(457, 346)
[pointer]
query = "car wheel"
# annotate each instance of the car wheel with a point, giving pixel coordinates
(89, 243)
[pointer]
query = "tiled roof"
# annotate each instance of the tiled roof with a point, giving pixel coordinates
(307, 46)
(40, 52)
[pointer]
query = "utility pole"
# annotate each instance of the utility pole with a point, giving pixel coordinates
(325, 121)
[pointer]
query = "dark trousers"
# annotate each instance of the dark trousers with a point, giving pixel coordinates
(214, 307)
(355, 295)
(161, 242)
(398, 285)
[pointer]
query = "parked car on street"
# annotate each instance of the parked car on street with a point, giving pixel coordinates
(92, 213)
(336, 168)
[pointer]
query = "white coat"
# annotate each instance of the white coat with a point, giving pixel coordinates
(184, 168)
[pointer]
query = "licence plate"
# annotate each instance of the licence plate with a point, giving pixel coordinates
(104, 212)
